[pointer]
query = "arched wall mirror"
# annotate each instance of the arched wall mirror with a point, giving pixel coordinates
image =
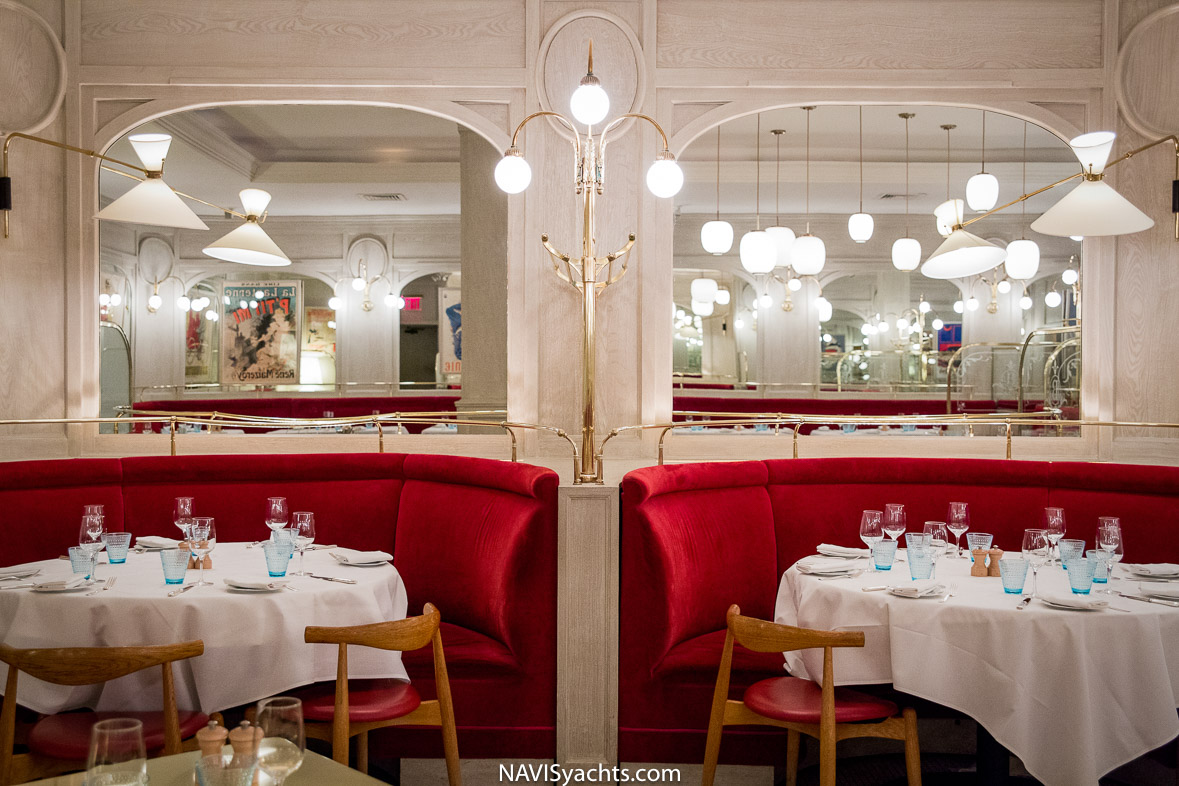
(369, 205)
(763, 315)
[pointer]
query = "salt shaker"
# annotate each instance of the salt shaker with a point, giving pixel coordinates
(993, 567)
(245, 739)
(211, 739)
(979, 568)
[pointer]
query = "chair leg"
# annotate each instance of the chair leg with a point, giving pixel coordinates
(792, 742)
(712, 751)
(827, 758)
(362, 752)
(912, 748)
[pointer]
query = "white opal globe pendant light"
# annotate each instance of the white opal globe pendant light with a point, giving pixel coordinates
(961, 254)
(759, 254)
(1023, 255)
(783, 236)
(716, 236)
(704, 289)
(906, 251)
(589, 102)
(982, 190)
(860, 225)
(808, 254)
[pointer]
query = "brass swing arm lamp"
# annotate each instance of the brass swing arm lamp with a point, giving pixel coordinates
(146, 173)
(587, 272)
(1092, 176)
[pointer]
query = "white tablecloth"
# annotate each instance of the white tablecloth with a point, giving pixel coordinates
(254, 644)
(1074, 694)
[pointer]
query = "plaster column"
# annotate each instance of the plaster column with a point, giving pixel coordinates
(788, 343)
(997, 378)
(484, 276)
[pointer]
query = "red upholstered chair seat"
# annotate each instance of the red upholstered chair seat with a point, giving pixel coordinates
(67, 736)
(697, 658)
(800, 701)
(368, 700)
(468, 653)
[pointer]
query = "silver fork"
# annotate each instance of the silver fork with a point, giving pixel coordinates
(109, 583)
(950, 594)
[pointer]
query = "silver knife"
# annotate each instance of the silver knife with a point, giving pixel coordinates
(185, 588)
(331, 578)
(15, 586)
(1159, 601)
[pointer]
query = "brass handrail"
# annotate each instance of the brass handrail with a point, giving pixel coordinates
(957, 356)
(1056, 330)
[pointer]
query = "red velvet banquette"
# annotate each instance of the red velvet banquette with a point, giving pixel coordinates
(477, 538)
(699, 537)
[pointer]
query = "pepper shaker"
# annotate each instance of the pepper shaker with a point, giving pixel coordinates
(211, 739)
(993, 566)
(979, 568)
(245, 739)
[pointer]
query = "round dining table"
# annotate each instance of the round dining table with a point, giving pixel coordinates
(254, 644)
(1075, 694)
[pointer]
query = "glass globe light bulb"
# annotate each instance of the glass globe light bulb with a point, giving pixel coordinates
(972, 304)
(258, 293)
(937, 324)
(765, 301)
(860, 226)
(1023, 259)
(589, 102)
(358, 284)
(828, 338)
(924, 307)
(794, 284)
(808, 255)
(723, 296)
(334, 303)
(906, 254)
(512, 173)
(183, 303)
(959, 307)
(665, 178)
(1070, 276)
(1003, 287)
(253, 304)
(1052, 299)
(738, 323)
(902, 324)
(210, 315)
(717, 237)
(1025, 303)
(104, 299)
(154, 302)
(390, 300)
(759, 254)
(982, 191)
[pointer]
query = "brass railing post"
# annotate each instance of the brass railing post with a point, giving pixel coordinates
(797, 426)
(172, 438)
(380, 436)
(1007, 426)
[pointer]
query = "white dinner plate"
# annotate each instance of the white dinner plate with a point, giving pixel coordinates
(363, 564)
(893, 591)
(1068, 607)
(255, 590)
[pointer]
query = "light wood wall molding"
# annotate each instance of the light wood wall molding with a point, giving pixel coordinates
(34, 64)
(1146, 82)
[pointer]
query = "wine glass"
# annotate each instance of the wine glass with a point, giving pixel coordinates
(281, 750)
(277, 514)
(1109, 540)
(304, 526)
(894, 520)
(938, 542)
(1054, 529)
(958, 522)
(182, 510)
(117, 753)
(90, 540)
(1035, 551)
(202, 539)
(870, 531)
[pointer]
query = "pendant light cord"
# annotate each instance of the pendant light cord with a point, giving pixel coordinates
(808, 168)
(983, 155)
(947, 162)
(777, 178)
(1023, 205)
(757, 198)
(861, 159)
(718, 172)
(907, 175)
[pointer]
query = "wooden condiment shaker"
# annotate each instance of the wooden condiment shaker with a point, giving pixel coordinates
(211, 739)
(245, 739)
(193, 564)
(979, 568)
(993, 565)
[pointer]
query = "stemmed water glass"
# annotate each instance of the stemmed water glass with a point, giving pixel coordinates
(1035, 551)
(90, 540)
(938, 542)
(1109, 540)
(894, 520)
(117, 753)
(182, 510)
(277, 514)
(1054, 530)
(202, 540)
(304, 526)
(870, 531)
(280, 752)
(958, 522)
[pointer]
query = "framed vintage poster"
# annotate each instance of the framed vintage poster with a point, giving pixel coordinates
(450, 333)
(319, 330)
(260, 333)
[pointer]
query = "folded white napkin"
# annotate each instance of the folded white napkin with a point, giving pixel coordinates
(255, 584)
(819, 566)
(76, 581)
(1157, 569)
(353, 557)
(18, 570)
(156, 542)
(919, 589)
(1159, 590)
(1074, 601)
(830, 550)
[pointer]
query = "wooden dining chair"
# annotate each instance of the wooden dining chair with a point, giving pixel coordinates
(826, 713)
(354, 709)
(60, 743)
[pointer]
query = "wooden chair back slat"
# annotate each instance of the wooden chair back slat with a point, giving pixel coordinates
(408, 634)
(762, 636)
(92, 665)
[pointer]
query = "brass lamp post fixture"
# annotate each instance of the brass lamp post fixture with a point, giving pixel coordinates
(589, 273)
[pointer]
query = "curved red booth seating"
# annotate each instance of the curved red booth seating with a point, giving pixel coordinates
(476, 537)
(697, 538)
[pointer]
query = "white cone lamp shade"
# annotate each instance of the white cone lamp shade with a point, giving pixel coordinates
(906, 254)
(860, 226)
(783, 243)
(512, 173)
(723, 296)
(1093, 150)
(1092, 209)
(665, 178)
(589, 102)
(1023, 259)
(249, 244)
(759, 254)
(808, 255)
(702, 308)
(948, 214)
(962, 254)
(717, 237)
(152, 201)
(982, 191)
(704, 290)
